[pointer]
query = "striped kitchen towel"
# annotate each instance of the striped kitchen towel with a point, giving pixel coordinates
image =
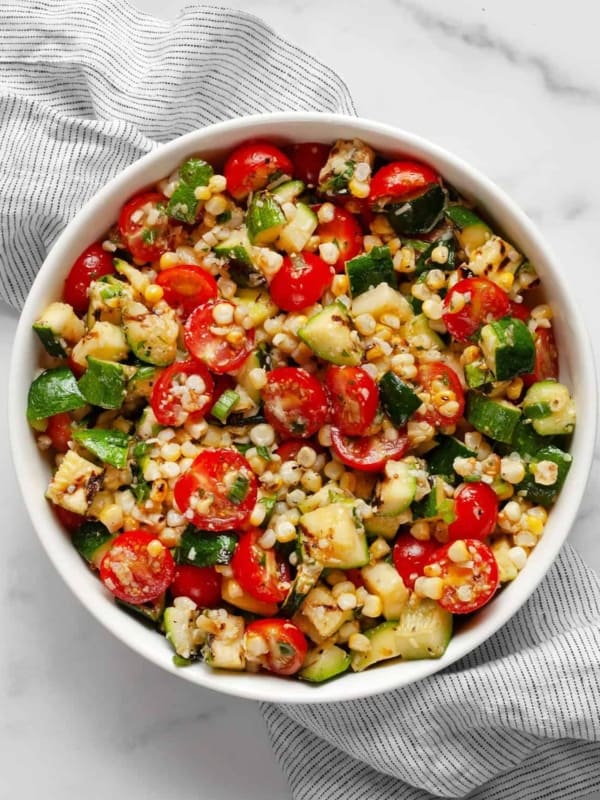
(86, 88)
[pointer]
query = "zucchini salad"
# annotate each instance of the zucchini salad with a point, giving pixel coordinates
(303, 411)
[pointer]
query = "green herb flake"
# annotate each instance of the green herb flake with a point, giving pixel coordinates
(239, 491)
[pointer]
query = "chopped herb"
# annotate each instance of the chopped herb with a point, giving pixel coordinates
(239, 491)
(263, 452)
(223, 218)
(149, 235)
(338, 183)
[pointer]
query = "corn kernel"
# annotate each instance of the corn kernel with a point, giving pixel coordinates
(359, 643)
(168, 260)
(505, 280)
(359, 189)
(433, 588)
(534, 524)
(372, 607)
(153, 293)
(155, 548)
(202, 193)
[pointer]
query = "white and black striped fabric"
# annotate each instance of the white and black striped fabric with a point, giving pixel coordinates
(86, 88)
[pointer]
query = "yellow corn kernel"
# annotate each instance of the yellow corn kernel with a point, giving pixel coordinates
(534, 524)
(469, 355)
(374, 352)
(514, 389)
(505, 280)
(168, 260)
(153, 293)
(202, 193)
(339, 285)
(155, 548)
(359, 189)
(381, 227)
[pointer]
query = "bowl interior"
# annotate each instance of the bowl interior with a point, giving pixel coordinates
(577, 368)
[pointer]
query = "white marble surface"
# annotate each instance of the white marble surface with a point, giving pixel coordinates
(511, 85)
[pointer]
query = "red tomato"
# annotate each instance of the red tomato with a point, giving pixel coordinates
(345, 232)
(133, 572)
(300, 281)
(59, 431)
(145, 226)
(354, 399)
(182, 393)
(294, 402)
(475, 510)
(471, 303)
(286, 642)
(186, 287)
(75, 368)
(546, 358)
(290, 449)
(355, 576)
(252, 166)
(200, 584)
(209, 490)
(309, 159)
(367, 453)
(467, 585)
(400, 179)
(519, 311)
(92, 264)
(443, 385)
(410, 556)
(69, 519)
(223, 348)
(258, 571)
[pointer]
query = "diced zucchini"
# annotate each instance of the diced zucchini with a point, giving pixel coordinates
(147, 425)
(525, 440)
(179, 622)
(550, 407)
(330, 335)
(232, 593)
(294, 237)
(205, 549)
(421, 336)
(423, 631)
(138, 280)
(257, 303)
(151, 336)
(319, 616)
(477, 374)
(103, 383)
(371, 269)
(104, 341)
(508, 348)
(440, 460)
(383, 580)
(225, 648)
(419, 214)
(92, 540)
(435, 505)
(289, 191)
(254, 361)
(540, 493)
(425, 262)
(472, 231)
(74, 483)
(150, 612)
(397, 490)
(495, 418)
(334, 536)
(399, 400)
(235, 248)
(323, 663)
(142, 382)
(52, 392)
(265, 219)
(378, 525)
(58, 326)
(383, 299)
(109, 445)
(105, 298)
(307, 575)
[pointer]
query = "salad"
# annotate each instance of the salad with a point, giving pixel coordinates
(303, 413)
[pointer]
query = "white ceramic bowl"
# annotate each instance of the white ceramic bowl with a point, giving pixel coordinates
(577, 368)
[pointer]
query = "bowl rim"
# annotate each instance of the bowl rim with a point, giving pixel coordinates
(266, 687)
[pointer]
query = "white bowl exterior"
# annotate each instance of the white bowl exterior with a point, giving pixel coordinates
(577, 367)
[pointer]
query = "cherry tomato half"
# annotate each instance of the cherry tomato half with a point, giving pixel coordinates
(443, 386)
(287, 451)
(182, 393)
(68, 519)
(287, 645)
(92, 264)
(471, 303)
(468, 585)
(133, 571)
(300, 281)
(345, 232)
(309, 159)
(400, 179)
(145, 226)
(294, 402)
(222, 347)
(59, 431)
(258, 571)
(368, 453)
(200, 584)
(546, 358)
(519, 311)
(410, 556)
(186, 287)
(354, 399)
(475, 511)
(219, 489)
(252, 165)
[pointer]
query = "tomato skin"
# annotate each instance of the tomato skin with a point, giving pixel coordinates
(147, 576)
(410, 556)
(251, 166)
(354, 399)
(146, 242)
(205, 477)
(288, 450)
(546, 358)
(59, 430)
(309, 159)
(186, 287)
(258, 571)
(367, 453)
(92, 264)
(69, 519)
(216, 352)
(200, 584)
(294, 402)
(400, 179)
(165, 404)
(345, 231)
(484, 302)
(436, 377)
(300, 281)
(287, 644)
(519, 311)
(481, 576)
(476, 511)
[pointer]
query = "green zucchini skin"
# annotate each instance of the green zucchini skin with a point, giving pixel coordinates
(398, 399)
(203, 549)
(508, 347)
(53, 392)
(424, 262)
(103, 383)
(539, 493)
(419, 215)
(92, 540)
(494, 418)
(370, 269)
(329, 662)
(440, 460)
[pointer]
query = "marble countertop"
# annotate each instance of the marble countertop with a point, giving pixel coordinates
(513, 89)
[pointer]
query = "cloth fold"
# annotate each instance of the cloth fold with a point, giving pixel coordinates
(86, 88)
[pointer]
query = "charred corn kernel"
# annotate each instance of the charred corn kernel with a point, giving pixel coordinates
(534, 524)
(514, 389)
(336, 576)
(512, 470)
(435, 279)
(404, 260)
(458, 552)
(359, 643)
(433, 588)
(420, 530)
(359, 189)
(339, 285)
(155, 548)
(505, 280)
(379, 548)
(311, 481)
(449, 409)
(372, 607)
(381, 227)
(458, 302)
(217, 183)
(159, 491)
(168, 260)
(374, 353)
(202, 193)
(153, 293)
(469, 355)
